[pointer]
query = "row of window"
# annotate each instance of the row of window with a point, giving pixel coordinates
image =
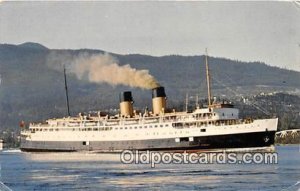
(205, 114)
(100, 128)
(217, 123)
(154, 133)
(73, 129)
(141, 127)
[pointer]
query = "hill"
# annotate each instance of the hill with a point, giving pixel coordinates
(32, 88)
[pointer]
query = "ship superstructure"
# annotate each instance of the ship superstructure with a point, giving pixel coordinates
(217, 126)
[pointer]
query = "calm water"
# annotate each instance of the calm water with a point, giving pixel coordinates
(79, 171)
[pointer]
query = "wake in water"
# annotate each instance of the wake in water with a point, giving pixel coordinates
(3, 187)
(12, 151)
(295, 187)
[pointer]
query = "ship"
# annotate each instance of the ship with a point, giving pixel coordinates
(216, 127)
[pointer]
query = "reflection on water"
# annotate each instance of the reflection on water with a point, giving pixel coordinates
(86, 171)
(71, 157)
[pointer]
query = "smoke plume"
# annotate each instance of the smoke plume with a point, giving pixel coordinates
(101, 68)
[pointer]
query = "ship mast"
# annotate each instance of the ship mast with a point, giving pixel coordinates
(207, 79)
(186, 101)
(66, 88)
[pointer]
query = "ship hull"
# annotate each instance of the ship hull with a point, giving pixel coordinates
(203, 143)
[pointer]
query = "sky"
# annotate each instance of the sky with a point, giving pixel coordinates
(247, 31)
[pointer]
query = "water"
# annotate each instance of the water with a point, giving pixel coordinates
(80, 171)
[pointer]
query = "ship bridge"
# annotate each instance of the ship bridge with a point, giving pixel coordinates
(218, 111)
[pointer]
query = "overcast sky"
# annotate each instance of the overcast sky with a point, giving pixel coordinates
(248, 31)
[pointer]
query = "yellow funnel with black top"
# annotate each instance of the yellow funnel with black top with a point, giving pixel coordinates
(126, 102)
(158, 100)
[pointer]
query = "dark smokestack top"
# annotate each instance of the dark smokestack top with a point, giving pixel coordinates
(125, 96)
(158, 92)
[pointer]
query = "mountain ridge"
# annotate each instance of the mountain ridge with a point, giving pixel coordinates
(40, 46)
(32, 90)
